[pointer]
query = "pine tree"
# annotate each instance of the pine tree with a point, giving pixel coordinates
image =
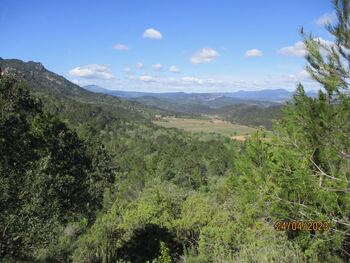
(318, 128)
(303, 172)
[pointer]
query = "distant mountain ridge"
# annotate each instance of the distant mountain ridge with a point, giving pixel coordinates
(267, 95)
(252, 108)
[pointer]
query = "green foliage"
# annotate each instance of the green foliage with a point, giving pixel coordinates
(164, 256)
(302, 173)
(45, 178)
(133, 230)
(250, 115)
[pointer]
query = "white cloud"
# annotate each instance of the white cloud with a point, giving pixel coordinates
(121, 47)
(325, 43)
(192, 80)
(157, 66)
(325, 19)
(127, 70)
(253, 53)
(92, 71)
(152, 34)
(146, 78)
(304, 75)
(297, 50)
(174, 69)
(205, 55)
(139, 65)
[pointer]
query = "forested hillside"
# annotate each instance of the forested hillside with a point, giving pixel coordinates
(62, 95)
(89, 178)
(115, 155)
(250, 115)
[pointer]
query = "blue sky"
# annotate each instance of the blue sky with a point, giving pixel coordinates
(192, 46)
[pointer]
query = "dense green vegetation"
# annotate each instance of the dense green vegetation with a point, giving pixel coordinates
(48, 175)
(89, 178)
(250, 115)
(76, 179)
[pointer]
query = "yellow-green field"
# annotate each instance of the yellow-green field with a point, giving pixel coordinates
(225, 128)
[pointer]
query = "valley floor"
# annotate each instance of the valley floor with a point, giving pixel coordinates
(234, 131)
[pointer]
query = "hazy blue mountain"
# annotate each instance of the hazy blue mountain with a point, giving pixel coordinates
(211, 99)
(276, 95)
(267, 94)
(117, 93)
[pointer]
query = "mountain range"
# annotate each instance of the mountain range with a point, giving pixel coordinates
(253, 108)
(241, 96)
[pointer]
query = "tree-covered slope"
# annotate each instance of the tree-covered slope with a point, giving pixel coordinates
(59, 94)
(56, 180)
(250, 115)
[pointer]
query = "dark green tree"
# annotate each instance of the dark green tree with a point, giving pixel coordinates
(48, 176)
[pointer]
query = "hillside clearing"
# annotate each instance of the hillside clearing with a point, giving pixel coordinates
(208, 126)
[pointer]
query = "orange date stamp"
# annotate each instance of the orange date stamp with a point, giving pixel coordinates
(311, 226)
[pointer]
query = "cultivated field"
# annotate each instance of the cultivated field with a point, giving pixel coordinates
(225, 128)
